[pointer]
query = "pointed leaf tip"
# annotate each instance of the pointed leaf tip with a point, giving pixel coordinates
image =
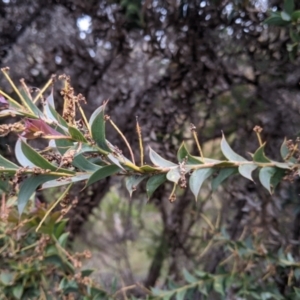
(228, 152)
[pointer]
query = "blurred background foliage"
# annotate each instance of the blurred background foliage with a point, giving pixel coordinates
(222, 65)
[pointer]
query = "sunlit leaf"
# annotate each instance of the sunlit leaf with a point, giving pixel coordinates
(223, 175)
(103, 173)
(97, 124)
(285, 16)
(246, 170)
(158, 161)
(197, 179)
(228, 152)
(259, 155)
(174, 175)
(28, 187)
(154, 182)
(265, 175)
(21, 158)
(133, 181)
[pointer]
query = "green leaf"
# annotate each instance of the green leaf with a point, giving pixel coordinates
(197, 179)
(102, 173)
(148, 169)
(63, 239)
(297, 291)
(82, 163)
(5, 163)
(68, 180)
(183, 153)
(285, 16)
(21, 158)
(174, 175)
(275, 20)
(97, 124)
(265, 175)
(87, 272)
(158, 161)
(180, 294)
(289, 6)
(31, 106)
(38, 160)
(58, 117)
(246, 170)
(219, 285)
(18, 291)
(7, 278)
(115, 160)
(285, 153)
(76, 134)
(28, 187)
(156, 292)
(133, 181)
(259, 155)
(223, 175)
(189, 277)
(154, 182)
(277, 177)
(296, 15)
(228, 152)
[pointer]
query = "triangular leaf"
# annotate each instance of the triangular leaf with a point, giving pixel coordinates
(197, 179)
(158, 161)
(183, 153)
(103, 173)
(246, 170)
(174, 175)
(228, 152)
(223, 175)
(154, 182)
(259, 155)
(29, 186)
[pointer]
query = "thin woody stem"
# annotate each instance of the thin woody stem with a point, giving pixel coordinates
(193, 129)
(124, 138)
